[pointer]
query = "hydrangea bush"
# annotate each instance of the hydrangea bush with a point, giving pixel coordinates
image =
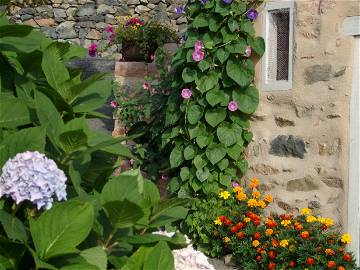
(207, 117)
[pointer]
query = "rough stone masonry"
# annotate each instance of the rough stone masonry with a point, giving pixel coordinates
(84, 21)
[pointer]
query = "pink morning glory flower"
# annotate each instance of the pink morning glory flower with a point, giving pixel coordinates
(198, 45)
(248, 51)
(198, 55)
(113, 104)
(235, 184)
(164, 177)
(186, 93)
(146, 85)
(92, 50)
(232, 106)
(152, 57)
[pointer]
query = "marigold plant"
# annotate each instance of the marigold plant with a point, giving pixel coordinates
(281, 242)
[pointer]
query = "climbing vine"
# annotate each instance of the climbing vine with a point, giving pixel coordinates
(207, 118)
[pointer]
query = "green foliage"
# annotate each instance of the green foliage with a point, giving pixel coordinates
(217, 135)
(147, 36)
(44, 106)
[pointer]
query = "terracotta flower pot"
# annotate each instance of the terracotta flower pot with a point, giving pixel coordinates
(133, 53)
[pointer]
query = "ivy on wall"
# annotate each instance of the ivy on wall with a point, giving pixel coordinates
(207, 120)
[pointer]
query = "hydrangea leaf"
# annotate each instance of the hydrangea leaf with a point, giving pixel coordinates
(58, 231)
(160, 258)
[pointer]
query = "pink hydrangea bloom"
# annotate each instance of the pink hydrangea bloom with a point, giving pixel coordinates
(146, 85)
(198, 45)
(248, 51)
(113, 104)
(186, 93)
(232, 106)
(198, 56)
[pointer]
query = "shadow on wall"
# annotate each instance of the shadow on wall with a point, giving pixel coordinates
(91, 66)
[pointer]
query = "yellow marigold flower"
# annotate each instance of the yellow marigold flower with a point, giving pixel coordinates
(321, 220)
(256, 194)
(328, 222)
(310, 219)
(261, 204)
(226, 239)
(269, 232)
(268, 198)
(254, 182)
(241, 196)
(284, 243)
(285, 222)
(217, 221)
(252, 203)
(306, 211)
(224, 195)
(247, 220)
(238, 189)
(255, 243)
(346, 238)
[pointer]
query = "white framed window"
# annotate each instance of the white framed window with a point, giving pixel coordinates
(278, 34)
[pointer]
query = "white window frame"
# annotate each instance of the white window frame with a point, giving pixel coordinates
(280, 84)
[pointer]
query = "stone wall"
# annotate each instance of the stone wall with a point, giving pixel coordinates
(84, 21)
(301, 137)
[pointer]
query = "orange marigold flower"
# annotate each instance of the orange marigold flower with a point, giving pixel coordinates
(255, 243)
(305, 235)
(269, 232)
(226, 239)
(254, 182)
(241, 196)
(252, 203)
(270, 223)
(261, 204)
(274, 242)
(341, 268)
(347, 257)
(238, 189)
(329, 251)
(331, 264)
(256, 194)
(268, 198)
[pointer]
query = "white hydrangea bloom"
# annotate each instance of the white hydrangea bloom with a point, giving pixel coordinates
(32, 176)
(188, 258)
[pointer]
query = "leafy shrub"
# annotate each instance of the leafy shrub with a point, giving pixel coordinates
(237, 208)
(207, 116)
(107, 220)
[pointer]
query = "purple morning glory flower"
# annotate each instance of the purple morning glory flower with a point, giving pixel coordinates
(227, 1)
(179, 10)
(203, 2)
(252, 14)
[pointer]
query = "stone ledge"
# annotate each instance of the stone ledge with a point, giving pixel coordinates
(135, 69)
